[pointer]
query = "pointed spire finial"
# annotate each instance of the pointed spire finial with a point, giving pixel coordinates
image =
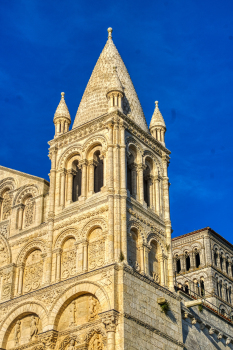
(109, 33)
(156, 104)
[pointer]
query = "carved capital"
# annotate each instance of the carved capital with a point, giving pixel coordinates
(211, 331)
(49, 339)
(228, 341)
(57, 251)
(110, 320)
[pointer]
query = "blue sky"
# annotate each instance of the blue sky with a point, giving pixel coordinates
(177, 52)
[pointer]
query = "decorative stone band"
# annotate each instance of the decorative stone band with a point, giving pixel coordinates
(154, 330)
(49, 339)
(110, 320)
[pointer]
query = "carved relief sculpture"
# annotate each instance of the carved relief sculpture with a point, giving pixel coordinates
(96, 342)
(7, 200)
(96, 249)
(17, 332)
(93, 308)
(68, 267)
(33, 271)
(34, 328)
(3, 254)
(29, 212)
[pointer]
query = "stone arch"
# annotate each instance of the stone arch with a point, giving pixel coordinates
(5, 251)
(30, 307)
(153, 236)
(94, 330)
(135, 224)
(73, 292)
(130, 141)
(94, 223)
(24, 192)
(158, 164)
(67, 155)
(64, 235)
(8, 182)
(92, 142)
(29, 248)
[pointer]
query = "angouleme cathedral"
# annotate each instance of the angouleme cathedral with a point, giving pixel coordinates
(86, 259)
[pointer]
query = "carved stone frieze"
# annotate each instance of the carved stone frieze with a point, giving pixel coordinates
(146, 222)
(4, 228)
(49, 339)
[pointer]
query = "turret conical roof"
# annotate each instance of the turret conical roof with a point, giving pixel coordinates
(62, 109)
(157, 118)
(94, 102)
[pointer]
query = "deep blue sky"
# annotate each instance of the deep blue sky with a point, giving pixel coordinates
(177, 52)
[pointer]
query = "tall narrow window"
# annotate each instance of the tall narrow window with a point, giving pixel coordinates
(221, 261)
(197, 259)
(77, 182)
(227, 266)
(98, 172)
(129, 178)
(146, 185)
(202, 286)
(187, 261)
(229, 297)
(178, 266)
(226, 293)
(215, 258)
(220, 289)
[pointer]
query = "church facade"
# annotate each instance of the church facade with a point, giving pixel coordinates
(86, 259)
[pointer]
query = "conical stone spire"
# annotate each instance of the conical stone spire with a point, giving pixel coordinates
(61, 118)
(62, 109)
(94, 102)
(157, 124)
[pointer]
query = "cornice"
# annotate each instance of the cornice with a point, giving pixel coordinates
(17, 172)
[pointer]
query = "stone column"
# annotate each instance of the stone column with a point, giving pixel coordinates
(162, 272)
(142, 259)
(49, 339)
(43, 256)
(85, 258)
(84, 178)
(110, 194)
(110, 320)
(53, 156)
(20, 285)
(208, 256)
(224, 264)
(20, 216)
(58, 264)
(70, 186)
(63, 186)
(79, 257)
(157, 195)
(146, 259)
(39, 209)
(123, 192)
(140, 178)
(117, 209)
(91, 176)
(1, 201)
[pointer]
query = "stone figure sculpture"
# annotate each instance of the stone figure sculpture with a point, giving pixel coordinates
(93, 308)
(72, 313)
(72, 345)
(34, 328)
(97, 343)
(17, 333)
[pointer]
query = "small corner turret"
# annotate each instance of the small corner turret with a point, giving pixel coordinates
(61, 118)
(157, 125)
(115, 93)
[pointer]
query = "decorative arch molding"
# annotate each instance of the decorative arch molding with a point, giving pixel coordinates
(29, 248)
(196, 245)
(68, 154)
(26, 308)
(187, 249)
(24, 191)
(157, 161)
(154, 237)
(178, 252)
(70, 232)
(7, 248)
(94, 330)
(135, 224)
(8, 182)
(131, 141)
(67, 340)
(73, 292)
(92, 142)
(92, 224)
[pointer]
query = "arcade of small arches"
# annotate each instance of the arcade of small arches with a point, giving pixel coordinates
(187, 260)
(85, 304)
(144, 180)
(223, 289)
(196, 287)
(223, 261)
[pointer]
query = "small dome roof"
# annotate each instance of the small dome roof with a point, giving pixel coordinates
(62, 109)
(157, 118)
(115, 84)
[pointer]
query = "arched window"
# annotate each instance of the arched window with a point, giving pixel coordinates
(227, 266)
(202, 286)
(186, 287)
(77, 181)
(226, 293)
(129, 178)
(222, 312)
(6, 204)
(215, 258)
(134, 249)
(132, 171)
(98, 172)
(217, 287)
(221, 261)
(197, 258)
(220, 289)
(187, 262)
(229, 295)
(147, 182)
(154, 265)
